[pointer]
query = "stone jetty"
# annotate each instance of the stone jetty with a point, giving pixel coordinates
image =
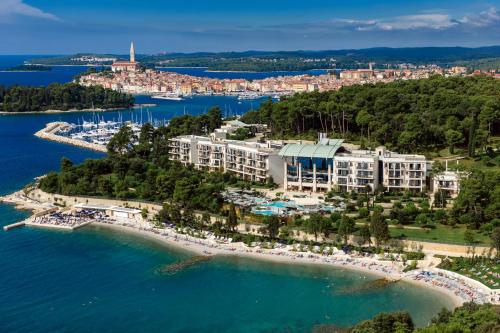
(52, 130)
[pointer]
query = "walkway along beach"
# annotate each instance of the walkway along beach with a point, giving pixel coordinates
(459, 288)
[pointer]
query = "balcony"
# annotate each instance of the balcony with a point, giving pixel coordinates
(364, 182)
(416, 167)
(342, 181)
(416, 174)
(365, 174)
(394, 166)
(342, 173)
(322, 180)
(364, 166)
(415, 183)
(447, 185)
(395, 183)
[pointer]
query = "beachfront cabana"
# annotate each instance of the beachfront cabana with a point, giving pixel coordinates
(112, 211)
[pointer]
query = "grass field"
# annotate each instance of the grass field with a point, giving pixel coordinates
(441, 234)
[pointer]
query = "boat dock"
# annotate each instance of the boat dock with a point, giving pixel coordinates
(51, 130)
(14, 225)
(55, 226)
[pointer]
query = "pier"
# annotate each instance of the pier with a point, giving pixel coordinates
(51, 130)
(13, 226)
(56, 226)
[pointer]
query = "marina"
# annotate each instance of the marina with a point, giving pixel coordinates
(52, 132)
(96, 133)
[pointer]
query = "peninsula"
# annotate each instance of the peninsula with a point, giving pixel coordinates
(131, 77)
(28, 68)
(63, 97)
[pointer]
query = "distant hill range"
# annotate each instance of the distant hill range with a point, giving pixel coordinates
(383, 57)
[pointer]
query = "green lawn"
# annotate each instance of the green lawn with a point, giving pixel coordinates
(441, 234)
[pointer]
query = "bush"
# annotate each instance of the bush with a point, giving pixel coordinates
(350, 207)
(440, 216)
(422, 219)
(363, 212)
(415, 255)
(411, 266)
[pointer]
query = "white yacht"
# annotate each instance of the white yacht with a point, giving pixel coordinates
(169, 96)
(248, 95)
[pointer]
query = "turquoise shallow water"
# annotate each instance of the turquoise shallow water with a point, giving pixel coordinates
(105, 281)
(98, 280)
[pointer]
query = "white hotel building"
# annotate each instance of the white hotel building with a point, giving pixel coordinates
(251, 161)
(322, 167)
(328, 165)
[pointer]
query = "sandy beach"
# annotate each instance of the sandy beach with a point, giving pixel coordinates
(457, 288)
(240, 249)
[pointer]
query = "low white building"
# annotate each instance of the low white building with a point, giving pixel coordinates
(447, 181)
(116, 212)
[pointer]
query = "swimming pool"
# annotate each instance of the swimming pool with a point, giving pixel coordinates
(274, 208)
(280, 204)
(289, 207)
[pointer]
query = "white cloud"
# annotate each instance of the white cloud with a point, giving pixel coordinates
(483, 19)
(407, 22)
(9, 8)
(432, 21)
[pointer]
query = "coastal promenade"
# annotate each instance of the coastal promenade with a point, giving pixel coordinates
(52, 130)
(459, 288)
(153, 208)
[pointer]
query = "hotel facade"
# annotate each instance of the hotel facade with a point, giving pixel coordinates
(325, 166)
(252, 161)
(329, 165)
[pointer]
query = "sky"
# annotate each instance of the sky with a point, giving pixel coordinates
(108, 26)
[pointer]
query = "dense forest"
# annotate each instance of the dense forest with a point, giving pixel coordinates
(486, 64)
(469, 318)
(409, 116)
(143, 171)
(61, 97)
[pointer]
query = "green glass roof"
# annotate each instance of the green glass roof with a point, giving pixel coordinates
(325, 149)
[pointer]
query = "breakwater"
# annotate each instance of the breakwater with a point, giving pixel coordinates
(182, 265)
(52, 130)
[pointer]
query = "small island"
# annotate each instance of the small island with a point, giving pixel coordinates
(29, 68)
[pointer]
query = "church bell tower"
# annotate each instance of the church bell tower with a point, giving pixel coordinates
(132, 52)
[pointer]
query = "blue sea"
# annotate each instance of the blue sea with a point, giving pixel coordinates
(99, 280)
